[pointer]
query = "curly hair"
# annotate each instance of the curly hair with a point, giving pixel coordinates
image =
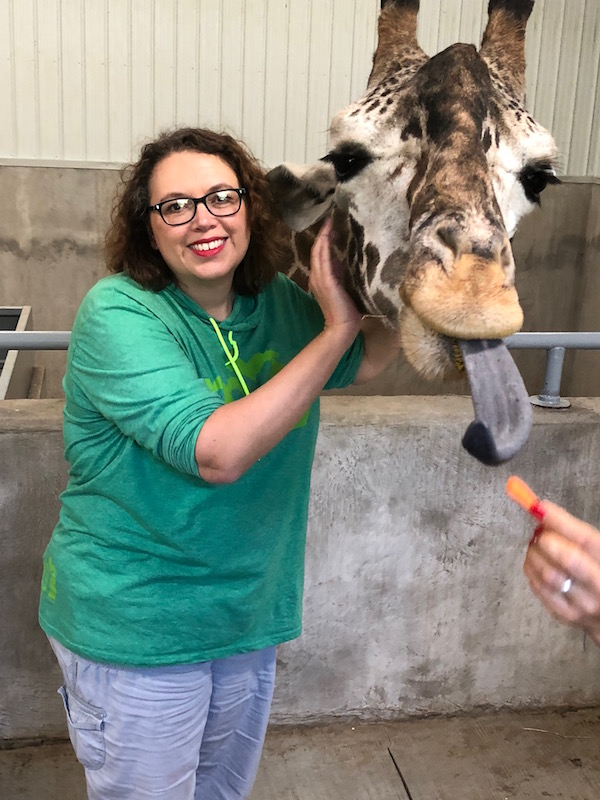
(128, 243)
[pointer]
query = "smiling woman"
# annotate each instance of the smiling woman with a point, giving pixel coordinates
(130, 249)
(191, 418)
(203, 242)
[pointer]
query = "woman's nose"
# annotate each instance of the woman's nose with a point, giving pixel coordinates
(202, 216)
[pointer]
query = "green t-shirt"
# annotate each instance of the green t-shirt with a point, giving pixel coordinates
(150, 565)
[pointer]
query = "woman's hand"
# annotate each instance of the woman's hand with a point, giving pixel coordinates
(382, 344)
(563, 569)
(325, 285)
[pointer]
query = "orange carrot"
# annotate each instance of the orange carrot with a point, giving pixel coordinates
(517, 490)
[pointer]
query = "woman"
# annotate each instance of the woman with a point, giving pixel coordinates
(190, 423)
(563, 568)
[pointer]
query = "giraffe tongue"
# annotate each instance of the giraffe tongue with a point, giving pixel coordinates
(503, 415)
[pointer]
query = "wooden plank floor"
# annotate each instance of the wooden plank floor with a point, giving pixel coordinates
(546, 756)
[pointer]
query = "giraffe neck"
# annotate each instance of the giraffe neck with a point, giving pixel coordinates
(297, 260)
(361, 264)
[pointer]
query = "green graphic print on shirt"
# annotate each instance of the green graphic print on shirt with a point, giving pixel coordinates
(250, 371)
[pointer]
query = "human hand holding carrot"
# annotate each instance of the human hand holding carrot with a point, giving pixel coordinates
(563, 561)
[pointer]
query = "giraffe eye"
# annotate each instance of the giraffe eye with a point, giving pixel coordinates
(534, 180)
(348, 162)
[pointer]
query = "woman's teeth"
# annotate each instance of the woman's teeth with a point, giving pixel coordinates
(204, 246)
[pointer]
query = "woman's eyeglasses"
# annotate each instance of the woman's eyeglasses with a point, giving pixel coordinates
(179, 210)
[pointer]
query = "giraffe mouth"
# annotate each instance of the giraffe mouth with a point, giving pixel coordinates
(503, 415)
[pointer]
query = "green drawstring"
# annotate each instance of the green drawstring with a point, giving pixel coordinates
(231, 358)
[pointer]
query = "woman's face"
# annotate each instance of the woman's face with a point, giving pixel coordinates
(204, 252)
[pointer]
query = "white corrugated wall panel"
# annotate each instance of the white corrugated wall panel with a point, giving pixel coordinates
(586, 135)
(24, 83)
(91, 80)
(48, 69)
(563, 61)
(119, 71)
(6, 76)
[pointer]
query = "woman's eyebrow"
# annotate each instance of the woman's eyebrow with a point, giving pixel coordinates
(175, 195)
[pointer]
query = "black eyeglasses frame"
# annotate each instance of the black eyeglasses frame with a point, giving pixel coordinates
(241, 192)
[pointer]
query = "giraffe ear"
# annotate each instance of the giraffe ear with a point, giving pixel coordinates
(303, 194)
(503, 42)
(397, 44)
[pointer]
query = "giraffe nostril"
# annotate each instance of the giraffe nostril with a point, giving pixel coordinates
(498, 249)
(448, 237)
(506, 256)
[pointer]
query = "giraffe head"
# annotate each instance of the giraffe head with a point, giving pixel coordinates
(426, 179)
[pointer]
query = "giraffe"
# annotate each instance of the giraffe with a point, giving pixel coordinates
(426, 179)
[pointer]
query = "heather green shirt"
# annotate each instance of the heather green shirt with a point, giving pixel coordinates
(149, 564)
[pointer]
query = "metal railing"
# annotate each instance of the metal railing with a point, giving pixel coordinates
(555, 344)
(34, 340)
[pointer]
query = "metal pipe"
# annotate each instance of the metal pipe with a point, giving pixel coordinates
(589, 340)
(59, 340)
(555, 343)
(550, 397)
(34, 340)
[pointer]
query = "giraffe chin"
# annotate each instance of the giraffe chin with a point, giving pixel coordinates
(503, 415)
(428, 352)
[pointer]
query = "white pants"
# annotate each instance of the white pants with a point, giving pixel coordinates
(189, 732)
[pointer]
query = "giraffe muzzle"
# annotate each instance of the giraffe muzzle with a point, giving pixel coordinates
(472, 300)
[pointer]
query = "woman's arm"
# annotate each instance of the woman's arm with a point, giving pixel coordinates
(382, 346)
(237, 434)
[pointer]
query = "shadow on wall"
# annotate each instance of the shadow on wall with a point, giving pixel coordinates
(51, 254)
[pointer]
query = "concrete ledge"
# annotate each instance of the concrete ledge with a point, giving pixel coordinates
(445, 409)
(31, 415)
(415, 601)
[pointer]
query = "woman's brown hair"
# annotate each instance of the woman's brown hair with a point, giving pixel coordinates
(128, 240)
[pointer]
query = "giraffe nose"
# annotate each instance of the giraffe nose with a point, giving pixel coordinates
(461, 282)
(479, 240)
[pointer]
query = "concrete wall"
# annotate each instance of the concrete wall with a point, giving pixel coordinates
(585, 365)
(52, 224)
(415, 601)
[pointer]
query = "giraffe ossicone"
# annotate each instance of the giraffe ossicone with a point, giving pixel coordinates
(426, 179)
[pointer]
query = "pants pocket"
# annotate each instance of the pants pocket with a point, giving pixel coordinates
(86, 729)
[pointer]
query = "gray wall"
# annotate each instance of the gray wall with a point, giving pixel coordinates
(52, 224)
(415, 601)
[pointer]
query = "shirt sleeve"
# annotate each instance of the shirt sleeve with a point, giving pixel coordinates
(131, 369)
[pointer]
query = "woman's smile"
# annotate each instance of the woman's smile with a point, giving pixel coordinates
(205, 248)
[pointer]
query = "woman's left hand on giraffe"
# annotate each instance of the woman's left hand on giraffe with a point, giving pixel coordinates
(336, 304)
